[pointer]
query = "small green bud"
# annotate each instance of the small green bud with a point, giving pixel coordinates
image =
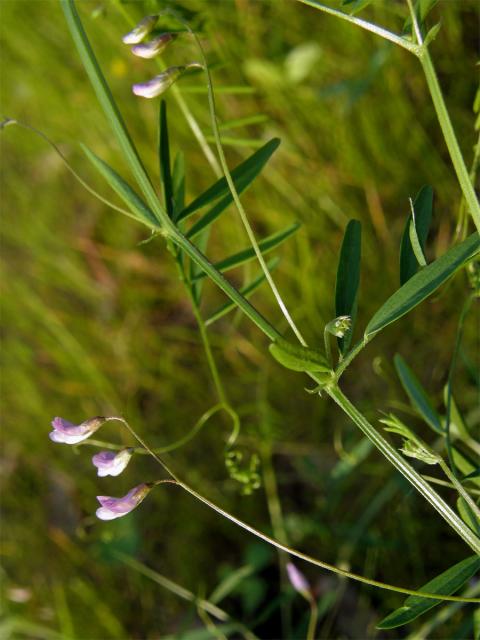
(339, 326)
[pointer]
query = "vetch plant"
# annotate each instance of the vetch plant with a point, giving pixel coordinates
(169, 219)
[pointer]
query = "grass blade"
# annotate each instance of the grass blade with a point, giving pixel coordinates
(242, 176)
(139, 209)
(417, 394)
(445, 584)
(265, 245)
(348, 278)
(418, 227)
(423, 284)
(164, 159)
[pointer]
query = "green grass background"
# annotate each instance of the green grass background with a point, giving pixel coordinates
(95, 323)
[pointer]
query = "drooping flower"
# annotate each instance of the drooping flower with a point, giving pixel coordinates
(141, 31)
(297, 579)
(154, 87)
(112, 463)
(153, 47)
(69, 433)
(117, 507)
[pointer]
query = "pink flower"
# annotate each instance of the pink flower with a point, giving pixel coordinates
(297, 579)
(159, 84)
(153, 47)
(69, 433)
(141, 31)
(117, 507)
(111, 463)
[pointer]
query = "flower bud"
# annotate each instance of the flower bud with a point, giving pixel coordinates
(111, 463)
(69, 433)
(297, 579)
(153, 47)
(339, 326)
(141, 31)
(159, 84)
(117, 507)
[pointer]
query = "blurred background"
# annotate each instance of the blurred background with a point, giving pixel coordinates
(95, 323)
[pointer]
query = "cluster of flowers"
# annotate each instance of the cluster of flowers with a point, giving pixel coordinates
(108, 463)
(151, 48)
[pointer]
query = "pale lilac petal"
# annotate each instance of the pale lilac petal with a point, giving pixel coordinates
(297, 579)
(116, 507)
(59, 424)
(106, 514)
(69, 433)
(111, 463)
(141, 30)
(58, 436)
(153, 47)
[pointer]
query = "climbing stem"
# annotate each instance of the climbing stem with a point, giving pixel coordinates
(397, 460)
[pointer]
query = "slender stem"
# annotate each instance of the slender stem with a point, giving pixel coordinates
(456, 156)
(175, 480)
(450, 139)
(444, 483)
(368, 26)
(405, 469)
(314, 561)
(236, 197)
(208, 353)
(85, 185)
(460, 488)
(312, 623)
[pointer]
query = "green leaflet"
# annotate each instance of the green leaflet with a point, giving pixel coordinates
(298, 358)
(354, 6)
(445, 584)
(417, 394)
(140, 211)
(246, 292)
(415, 234)
(178, 181)
(164, 160)
(242, 176)
(348, 278)
(265, 245)
(423, 284)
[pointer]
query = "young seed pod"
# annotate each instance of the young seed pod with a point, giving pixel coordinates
(141, 31)
(339, 326)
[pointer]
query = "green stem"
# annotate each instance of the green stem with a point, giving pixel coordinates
(405, 469)
(312, 623)
(460, 488)
(450, 138)
(445, 123)
(314, 561)
(175, 480)
(234, 192)
(368, 26)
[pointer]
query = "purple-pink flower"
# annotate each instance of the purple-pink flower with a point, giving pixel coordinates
(69, 433)
(159, 84)
(153, 47)
(297, 579)
(117, 507)
(111, 463)
(141, 31)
